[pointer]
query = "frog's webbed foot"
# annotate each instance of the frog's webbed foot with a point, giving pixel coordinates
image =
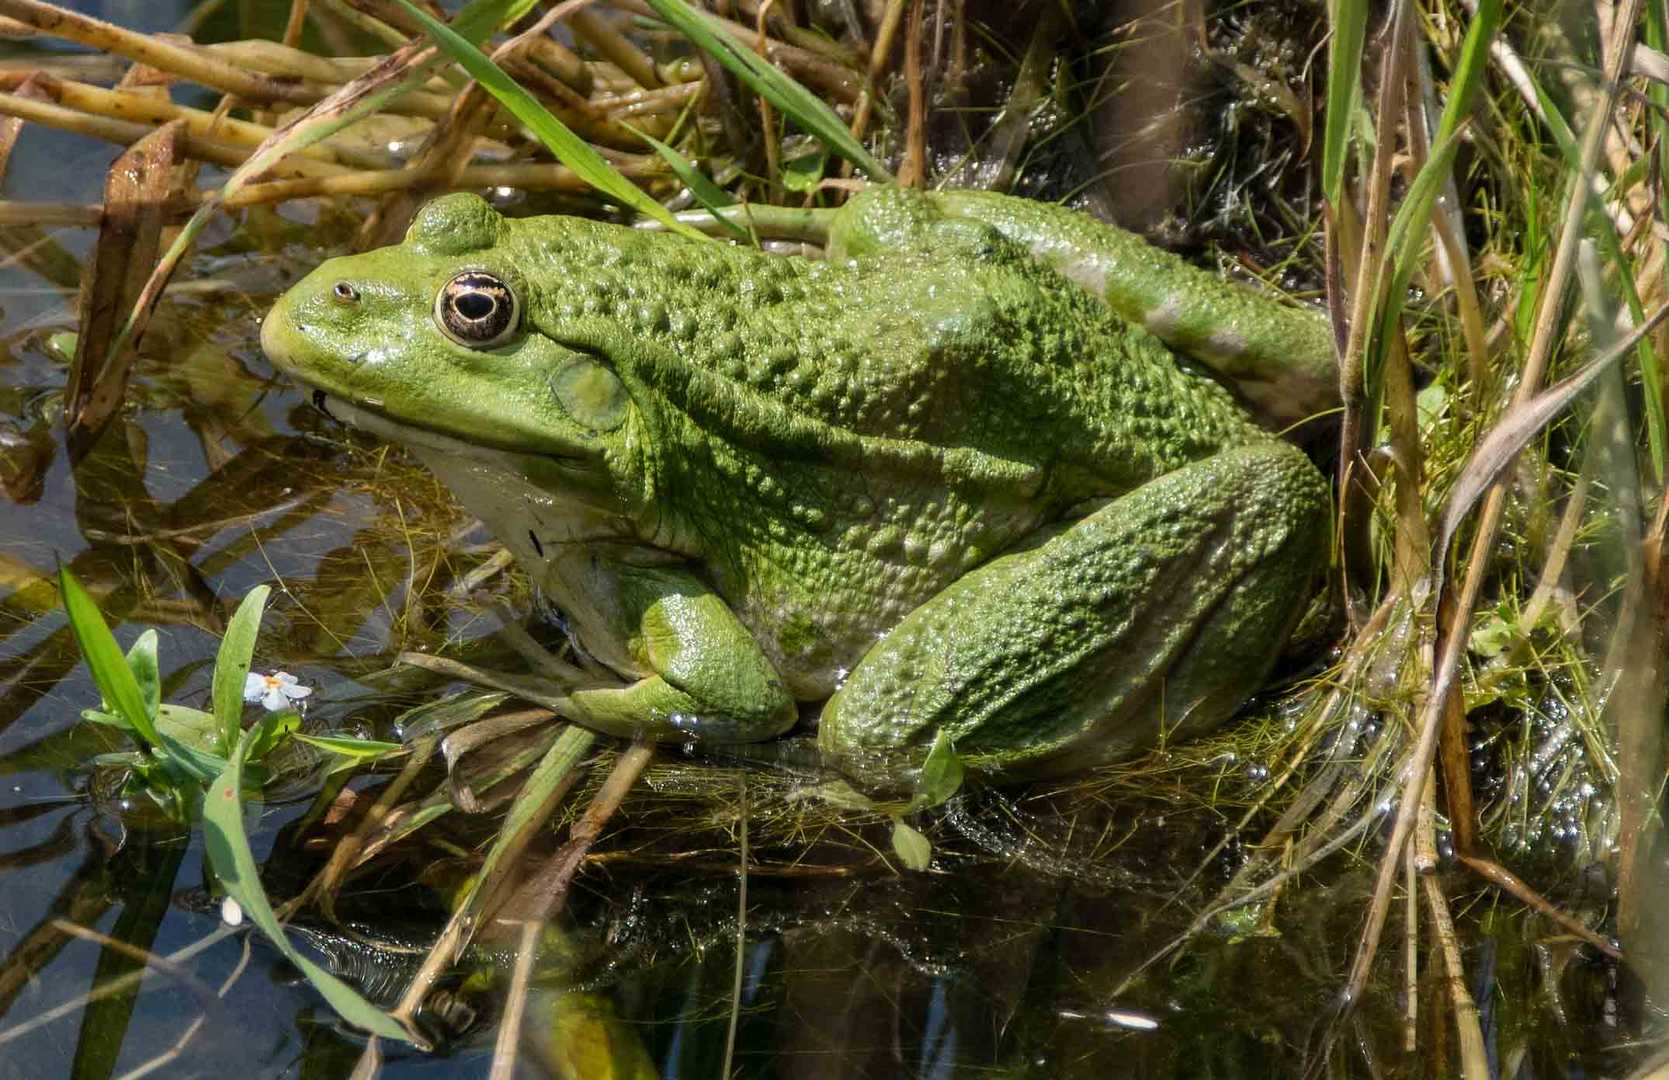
(1154, 617)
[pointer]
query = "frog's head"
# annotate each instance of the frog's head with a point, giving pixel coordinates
(427, 342)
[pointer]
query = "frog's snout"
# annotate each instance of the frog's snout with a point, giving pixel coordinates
(313, 325)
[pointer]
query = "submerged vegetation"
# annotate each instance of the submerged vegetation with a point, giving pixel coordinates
(1448, 827)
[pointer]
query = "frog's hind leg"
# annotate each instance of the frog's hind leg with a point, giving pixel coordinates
(1154, 617)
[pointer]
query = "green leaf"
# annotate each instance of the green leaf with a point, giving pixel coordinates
(234, 864)
(361, 749)
(839, 793)
(569, 148)
(1344, 84)
(914, 850)
(141, 660)
(193, 727)
(104, 658)
(186, 761)
(804, 172)
(274, 730)
(479, 19)
(941, 774)
(709, 194)
(806, 109)
(528, 811)
(62, 344)
(231, 665)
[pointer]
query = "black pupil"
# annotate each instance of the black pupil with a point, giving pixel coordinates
(475, 306)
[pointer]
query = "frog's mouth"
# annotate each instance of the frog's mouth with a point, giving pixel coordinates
(368, 418)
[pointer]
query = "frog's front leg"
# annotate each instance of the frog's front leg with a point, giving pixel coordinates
(1156, 616)
(707, 678)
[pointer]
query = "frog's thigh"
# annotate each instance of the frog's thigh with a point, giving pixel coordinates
(1159, 613)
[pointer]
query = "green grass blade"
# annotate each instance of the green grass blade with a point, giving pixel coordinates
(104, 658)
(234, 865)
(357, 749)
(528, 811)
(800, 105)
(231, 665)
(707, 193)
(1469, 68)
(1402, 247)
(141, 660)
(1344, 87)
(569, 148)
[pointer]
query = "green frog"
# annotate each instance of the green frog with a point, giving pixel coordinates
(964, 475)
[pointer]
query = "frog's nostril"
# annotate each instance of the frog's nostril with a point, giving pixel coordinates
(344, 293)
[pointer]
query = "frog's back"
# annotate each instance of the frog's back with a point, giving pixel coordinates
(970, 367)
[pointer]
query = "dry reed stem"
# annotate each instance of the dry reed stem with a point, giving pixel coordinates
(1474, 1060)
(146, 108)
(819, 73)
(1356, 427)
(110, 987)
(891, 16)
(614, 46)
(913, 171)
(344, 856)
(1547, 324)
(187, 62)
(172, 1054)
(543, 894)
(1410, 955)
(127, 132)
(508, 1040)
(176, 973)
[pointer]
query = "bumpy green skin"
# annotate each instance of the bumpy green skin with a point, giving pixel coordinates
(931, 482)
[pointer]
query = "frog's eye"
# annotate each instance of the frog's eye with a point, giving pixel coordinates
(477, 310)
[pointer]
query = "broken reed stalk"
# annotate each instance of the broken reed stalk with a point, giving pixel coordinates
(130, 236)
(545, 891)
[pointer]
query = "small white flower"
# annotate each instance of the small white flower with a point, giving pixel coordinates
(231, 912)
(275, 691)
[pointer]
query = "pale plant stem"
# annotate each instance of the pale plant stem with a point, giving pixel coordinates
(1410, 957)
(1474, 1061)
(741, 928)
(509, 1035)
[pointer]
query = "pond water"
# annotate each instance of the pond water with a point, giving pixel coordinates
(1017, 956)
